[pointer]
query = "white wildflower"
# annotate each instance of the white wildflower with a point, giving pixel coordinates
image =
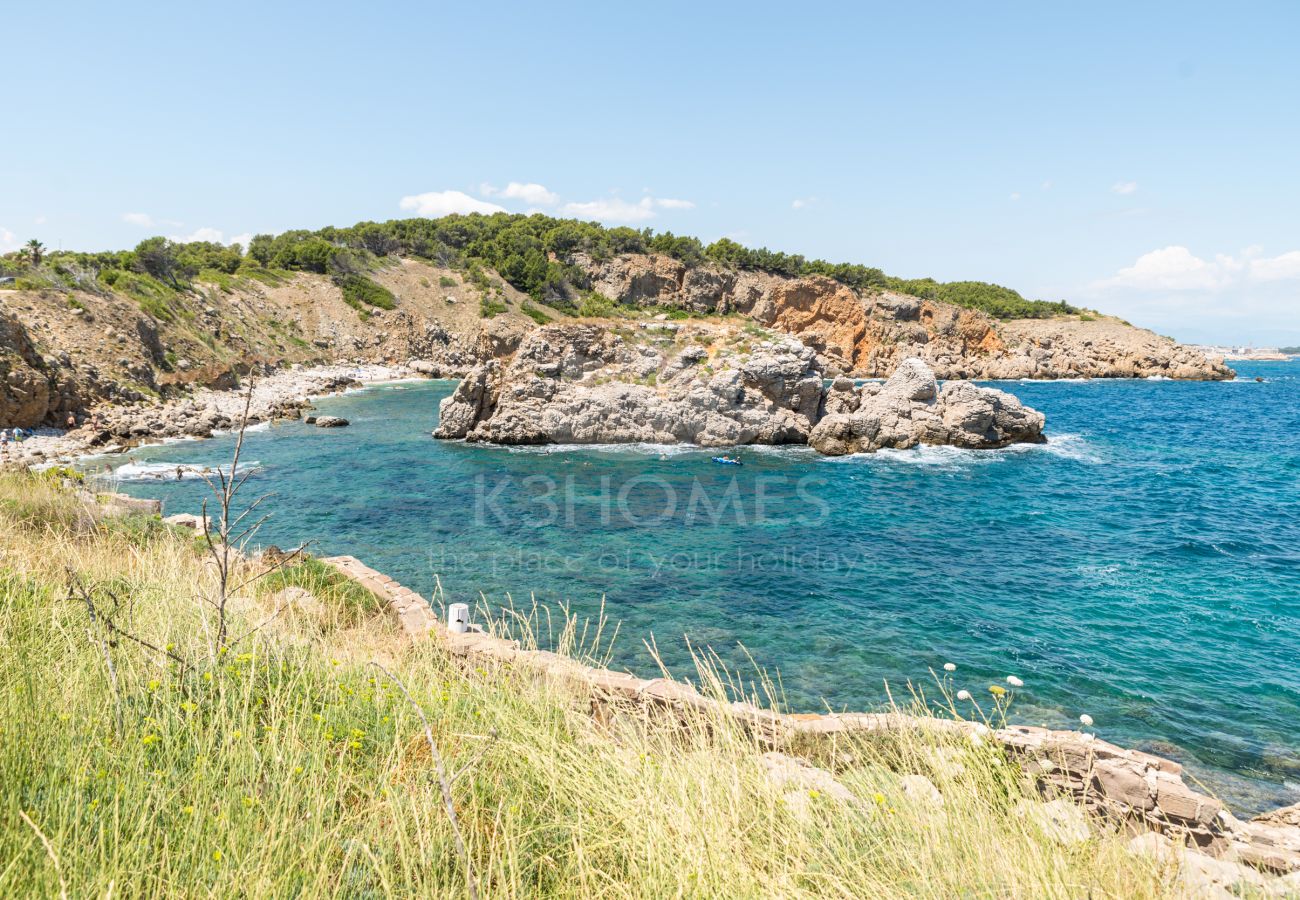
(950, 667)
(1085, 719)
(1014, 681)
(963, 695)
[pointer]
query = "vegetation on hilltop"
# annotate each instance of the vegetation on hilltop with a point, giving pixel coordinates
(533, 253)
(286, 766)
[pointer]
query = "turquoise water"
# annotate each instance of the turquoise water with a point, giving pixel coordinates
(1143, 567)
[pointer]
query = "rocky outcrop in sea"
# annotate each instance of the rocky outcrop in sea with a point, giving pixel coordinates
(910, 409)
(579, 384)
(716, 386)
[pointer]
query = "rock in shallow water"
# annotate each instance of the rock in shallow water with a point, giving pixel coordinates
(715, 385)
(331, 422)
(909, 410)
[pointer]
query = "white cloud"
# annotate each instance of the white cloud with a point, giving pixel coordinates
(1237, 298)
(616, 209)
(1015, 196)
(1124, 188)
(1176, 268)
(1277, 268)
(531, 193)
(1171, 268)
(798, 203)
(200, 234)
(8, 241)
(144, 220)
(443, 203)
(242, 239)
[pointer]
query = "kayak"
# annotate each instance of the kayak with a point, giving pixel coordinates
(724, 461)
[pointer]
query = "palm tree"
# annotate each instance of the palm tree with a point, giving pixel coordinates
(36, 250)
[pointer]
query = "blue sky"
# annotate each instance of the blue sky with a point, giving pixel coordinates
(1142, 159)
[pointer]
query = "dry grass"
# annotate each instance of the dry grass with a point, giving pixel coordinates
(288, 767)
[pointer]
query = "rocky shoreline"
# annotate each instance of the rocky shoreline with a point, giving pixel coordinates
(280, 394)
(716, 386)
(1085, 783)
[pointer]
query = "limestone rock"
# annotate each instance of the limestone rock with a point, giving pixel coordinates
(1198, 874)
(909, 410)
(331, 422)
(789, 773)
(571, 384)
(186, 520)
(1284, 816)
(1060, 819)
(921, 790)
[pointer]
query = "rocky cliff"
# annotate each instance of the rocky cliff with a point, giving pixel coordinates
(869, 334)
(715, 385)
(68, 351)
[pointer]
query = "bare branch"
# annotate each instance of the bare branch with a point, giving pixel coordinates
(492, 739)
(444, 782)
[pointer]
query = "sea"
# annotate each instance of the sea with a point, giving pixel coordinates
(1141, 568)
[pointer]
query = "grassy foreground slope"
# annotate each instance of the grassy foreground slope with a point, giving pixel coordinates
(288, 766)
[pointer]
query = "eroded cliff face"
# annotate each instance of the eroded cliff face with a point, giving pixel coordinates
(67, 352)
(870, 335)
(36, 389)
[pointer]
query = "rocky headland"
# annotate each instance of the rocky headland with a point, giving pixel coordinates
(73, 350)
(868, 333)
(716, 386)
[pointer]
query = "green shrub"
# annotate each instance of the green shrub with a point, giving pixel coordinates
(360, 292)
(535, 314)
(349, 602)
(596, 306)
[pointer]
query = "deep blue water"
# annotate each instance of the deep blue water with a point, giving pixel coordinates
(1143, 567)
